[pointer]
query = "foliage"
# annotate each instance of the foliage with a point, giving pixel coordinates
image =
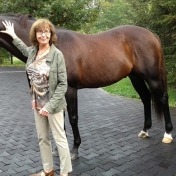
(3, 54)
(112, 14)
(1, 60)
(16, 62)
(141, 10)
(71, 14)
(163, 22)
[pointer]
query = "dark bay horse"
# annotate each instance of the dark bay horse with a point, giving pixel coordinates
(102, 59)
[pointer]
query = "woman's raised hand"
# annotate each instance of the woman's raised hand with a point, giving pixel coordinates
(9, 28)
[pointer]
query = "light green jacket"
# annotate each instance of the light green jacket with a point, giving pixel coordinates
(57, 74)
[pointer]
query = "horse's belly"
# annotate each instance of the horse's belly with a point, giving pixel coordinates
(104, 76)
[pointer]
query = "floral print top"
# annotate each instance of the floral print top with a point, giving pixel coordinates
(38, 73)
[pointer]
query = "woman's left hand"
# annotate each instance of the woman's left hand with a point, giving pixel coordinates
(43, 112)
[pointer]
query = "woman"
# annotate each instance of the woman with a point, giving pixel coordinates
(46, 72)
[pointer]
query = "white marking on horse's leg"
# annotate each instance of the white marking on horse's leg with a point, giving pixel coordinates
(167, 138)
(143, 134)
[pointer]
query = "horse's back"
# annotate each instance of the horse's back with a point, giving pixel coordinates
(105, 58)
(134, 36)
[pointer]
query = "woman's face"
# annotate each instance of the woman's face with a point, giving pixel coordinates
(43, 35)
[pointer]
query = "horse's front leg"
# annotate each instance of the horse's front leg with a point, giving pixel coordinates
(145, 96)
(72, 108)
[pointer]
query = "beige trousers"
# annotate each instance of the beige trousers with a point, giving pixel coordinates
(55, 122)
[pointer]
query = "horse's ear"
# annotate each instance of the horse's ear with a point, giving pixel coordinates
(23, 20)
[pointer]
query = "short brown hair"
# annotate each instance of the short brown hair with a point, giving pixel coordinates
(39, 24)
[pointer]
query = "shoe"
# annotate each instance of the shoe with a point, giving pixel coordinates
(64, 175)
(43, 173)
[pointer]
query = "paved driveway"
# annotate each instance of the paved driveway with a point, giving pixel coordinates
(108, 126)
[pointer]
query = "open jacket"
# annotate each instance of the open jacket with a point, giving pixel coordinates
(57, 74)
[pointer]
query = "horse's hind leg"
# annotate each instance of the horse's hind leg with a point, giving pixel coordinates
(161, 105)
(144, 93)
(72, 108)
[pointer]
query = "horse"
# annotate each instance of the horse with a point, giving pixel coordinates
(101, 59)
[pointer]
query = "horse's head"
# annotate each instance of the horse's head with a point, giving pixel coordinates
(22, 25)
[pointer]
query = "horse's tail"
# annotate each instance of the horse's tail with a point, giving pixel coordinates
(160, 95)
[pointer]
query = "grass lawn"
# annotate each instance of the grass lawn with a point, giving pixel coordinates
(16, 63)
(125, 88)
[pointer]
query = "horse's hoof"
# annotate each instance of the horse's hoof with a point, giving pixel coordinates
(167, 140)
(74, 153)
(55, 153)
(74, 156)
(143, 134)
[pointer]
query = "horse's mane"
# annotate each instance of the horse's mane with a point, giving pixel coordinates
(22, 19)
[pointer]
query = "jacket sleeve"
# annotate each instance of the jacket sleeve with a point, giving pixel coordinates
(21, 46)
(61, 87)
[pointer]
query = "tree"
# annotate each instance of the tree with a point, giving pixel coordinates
(71, 14)
(141, 10)
(112, 14)
(163, 22)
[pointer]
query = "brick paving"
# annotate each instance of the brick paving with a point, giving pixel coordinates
(108, 126)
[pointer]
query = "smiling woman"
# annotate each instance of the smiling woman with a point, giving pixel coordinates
(47, 78)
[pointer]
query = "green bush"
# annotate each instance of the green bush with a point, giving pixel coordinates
(3, 55)
(1, 60)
